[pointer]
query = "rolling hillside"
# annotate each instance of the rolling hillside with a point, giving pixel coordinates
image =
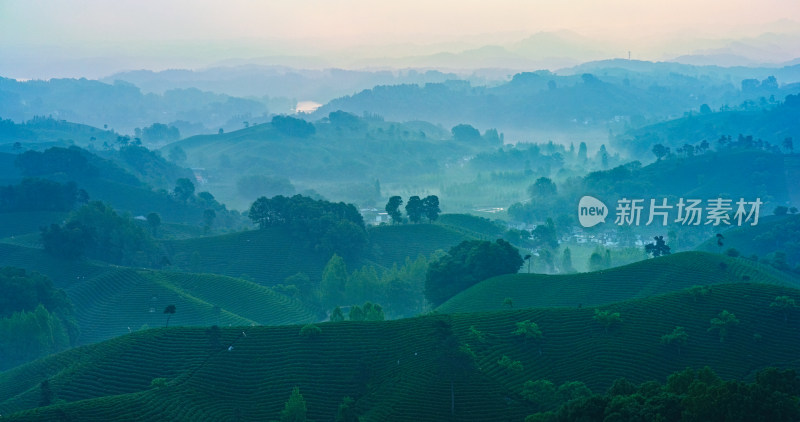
(271, 255)
(391, 244)
(772, 234)
(111, 301)
(390, 368)
(637, 280)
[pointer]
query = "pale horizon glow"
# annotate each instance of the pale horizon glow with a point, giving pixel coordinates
(59, 37)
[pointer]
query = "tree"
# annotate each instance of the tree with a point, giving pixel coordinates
(678, 336)
(467, 263)
(170, 311)
(337, 315)
(293, 127)
(414, 209)
(607, 318)
(583, 152)
(356, 313)
(660, 151)
(208, 218)
(393, 209)
(780, 210)
(506, 363)
(184, 189)
(465, 133)
(69, 241)
(788, 145)
(310, 331)
(295, 408)
(346, 411)
(722, 323)
(658, 248)
(528, 330)
(154, 220)
(430, 207)
(566, 262)
(785, 305)
(542, 188)
(334, 280)
(541, 392)
(373, 312)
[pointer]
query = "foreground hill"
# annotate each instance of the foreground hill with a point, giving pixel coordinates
(637, 280)
(111, 301)
(394, 369)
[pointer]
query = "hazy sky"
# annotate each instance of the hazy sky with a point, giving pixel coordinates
(55, 36)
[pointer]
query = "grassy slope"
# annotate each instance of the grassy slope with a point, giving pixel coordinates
(393, 243)
(772, 233)
(269, 256)
(111, 301)
(640, 279)
(389, 367)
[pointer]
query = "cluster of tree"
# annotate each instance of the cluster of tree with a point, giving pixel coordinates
(400, 289)
(468, 134)
(688, 395)
(466, 264)
(528, 157)
(293, 127)
(34, 194)
(659, 248)
(35, 318)
(97, 231)
(742, 142)
(148, 165)
(416, 208)
(332, 227)
(369, 312)
(770, 129)
(158, 133)
(71, 163)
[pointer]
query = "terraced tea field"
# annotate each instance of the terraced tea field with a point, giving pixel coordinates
(391, 367)
(637, 280)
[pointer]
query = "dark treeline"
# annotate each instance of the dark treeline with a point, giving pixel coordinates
(332, 227)
(35, 318)
(34, 194)
(97, 231)
(689, 395)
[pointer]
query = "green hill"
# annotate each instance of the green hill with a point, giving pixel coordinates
(772, 234)
(391, 244)
(266, 256)
(479, 227)
(637, 280)
(391, 368)
(111, 301)
(271, 255)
